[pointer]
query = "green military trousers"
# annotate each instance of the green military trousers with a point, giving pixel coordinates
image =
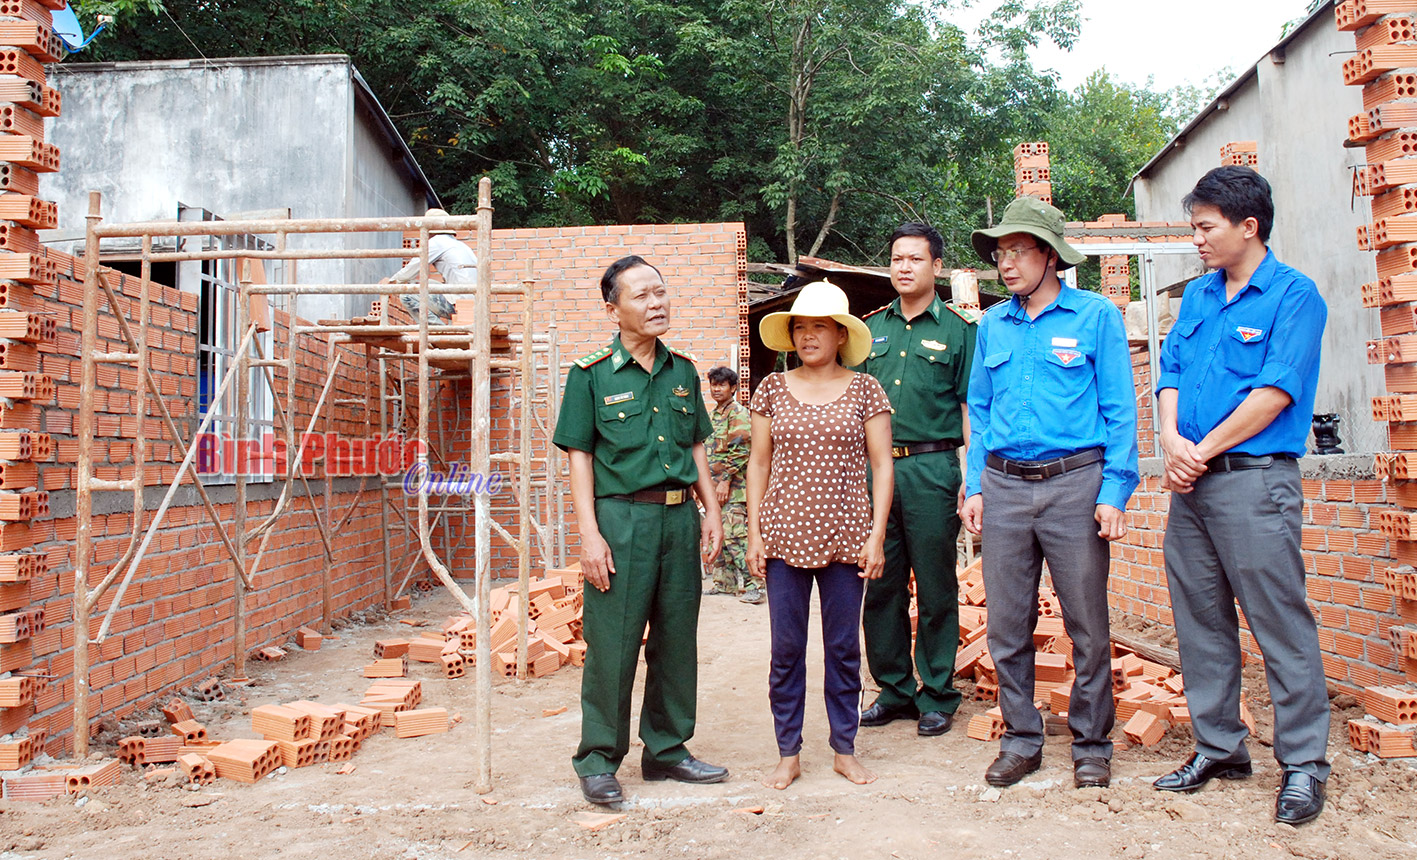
(920, 535)
(656, 553)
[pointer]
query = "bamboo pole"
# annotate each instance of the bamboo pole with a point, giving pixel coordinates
(481, 463)
(83, 547)
(243, 416)
(528, 385)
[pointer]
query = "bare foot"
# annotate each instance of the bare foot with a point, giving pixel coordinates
(787, 771)
(849, 767)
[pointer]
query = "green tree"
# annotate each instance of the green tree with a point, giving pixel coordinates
(1102, 133)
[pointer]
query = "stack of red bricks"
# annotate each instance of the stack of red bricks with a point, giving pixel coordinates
(553, 633)
(1385, 66)
(27, 42)
(1116, 269)
(1240, 153)
(1032, 172)
(1390, 729)
(1149, 697)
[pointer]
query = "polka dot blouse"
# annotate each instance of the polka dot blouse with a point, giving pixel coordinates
(817, 508)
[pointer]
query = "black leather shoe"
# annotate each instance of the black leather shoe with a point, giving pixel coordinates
(935, 723)
(1010, 767)
(1301, 798)
(601, 788)
(879, 714)
(1198, 770)
(1092, 772)
(688, 770)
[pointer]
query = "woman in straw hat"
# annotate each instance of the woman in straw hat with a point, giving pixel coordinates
(810, 517)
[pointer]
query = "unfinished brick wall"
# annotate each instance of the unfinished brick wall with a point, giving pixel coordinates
(1343, 553)
(704, 266)
(1385, 66)
(175, 624)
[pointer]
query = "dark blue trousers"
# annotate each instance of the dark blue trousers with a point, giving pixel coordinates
(840, 588)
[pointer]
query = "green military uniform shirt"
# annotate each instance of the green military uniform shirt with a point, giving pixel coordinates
(640, 427)
(923, 364)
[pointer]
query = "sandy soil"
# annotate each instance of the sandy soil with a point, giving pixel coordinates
(414, 799)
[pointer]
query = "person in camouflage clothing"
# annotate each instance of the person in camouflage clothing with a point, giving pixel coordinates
(728, 460)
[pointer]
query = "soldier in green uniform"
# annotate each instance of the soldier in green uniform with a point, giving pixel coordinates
(633, 424)
(728, 466)
(921, 352)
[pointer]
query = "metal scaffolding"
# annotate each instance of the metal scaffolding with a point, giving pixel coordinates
(466, 352)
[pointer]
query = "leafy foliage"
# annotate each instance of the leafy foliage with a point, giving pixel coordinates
(820, 124)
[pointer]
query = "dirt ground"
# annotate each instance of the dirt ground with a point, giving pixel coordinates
(414, 798)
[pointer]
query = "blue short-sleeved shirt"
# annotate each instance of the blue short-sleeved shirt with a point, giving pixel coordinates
(1054, 385)
(1268, 336)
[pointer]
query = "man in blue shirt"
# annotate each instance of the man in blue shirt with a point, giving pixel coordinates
(1052, 461)
(1235, 395)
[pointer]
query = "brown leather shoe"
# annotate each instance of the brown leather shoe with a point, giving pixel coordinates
(1092, 772)
(1011, 767)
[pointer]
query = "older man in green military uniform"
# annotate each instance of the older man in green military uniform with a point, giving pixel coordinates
(921, 351)
(633, 423)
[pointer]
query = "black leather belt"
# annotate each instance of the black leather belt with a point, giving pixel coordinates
(1042, 470)
(1240, 462)
(898, 451)
(655, 497)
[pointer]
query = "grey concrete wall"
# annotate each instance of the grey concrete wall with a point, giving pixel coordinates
(228, 137)
(376, 187)
(1297, 110)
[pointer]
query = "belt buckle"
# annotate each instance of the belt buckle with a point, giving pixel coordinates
(1036, 473)
(898, 451)
(674, 497)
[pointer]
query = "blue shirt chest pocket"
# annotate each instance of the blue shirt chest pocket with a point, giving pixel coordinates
(1183, 341)
(1243, 349)
(997, 365)
(1068, 362)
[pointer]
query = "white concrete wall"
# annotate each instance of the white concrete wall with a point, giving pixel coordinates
(227, 136)
(1297, 110)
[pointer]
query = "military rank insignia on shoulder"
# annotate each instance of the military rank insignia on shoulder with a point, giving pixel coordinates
(876, 311)
(681, 353)
(969, 315)
(585, 362)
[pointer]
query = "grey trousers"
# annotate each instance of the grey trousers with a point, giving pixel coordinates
(1236, 537)
(1026, 522)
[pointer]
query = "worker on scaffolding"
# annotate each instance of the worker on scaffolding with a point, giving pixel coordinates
(453, 259)
(633, 424)
(1052, 461)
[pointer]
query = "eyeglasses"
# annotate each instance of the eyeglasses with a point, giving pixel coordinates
(1011, 254)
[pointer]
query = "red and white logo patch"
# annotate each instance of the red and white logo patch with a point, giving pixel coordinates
(1248, 334)
(1067, 356)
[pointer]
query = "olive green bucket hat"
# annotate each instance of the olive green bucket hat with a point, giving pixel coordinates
(1034, 217)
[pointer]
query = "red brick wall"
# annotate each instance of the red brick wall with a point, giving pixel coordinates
(175, 624)
(703, 265)
(1343, 554)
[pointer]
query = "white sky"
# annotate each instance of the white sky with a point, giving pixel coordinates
(1177, 42)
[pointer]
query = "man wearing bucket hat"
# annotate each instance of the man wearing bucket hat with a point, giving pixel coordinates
(454, 260)
(920, 353)
(1052, 461)
(810, 517)
(633, 424)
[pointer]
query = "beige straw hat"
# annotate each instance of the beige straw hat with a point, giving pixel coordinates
(439, 213)
(818, 299)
